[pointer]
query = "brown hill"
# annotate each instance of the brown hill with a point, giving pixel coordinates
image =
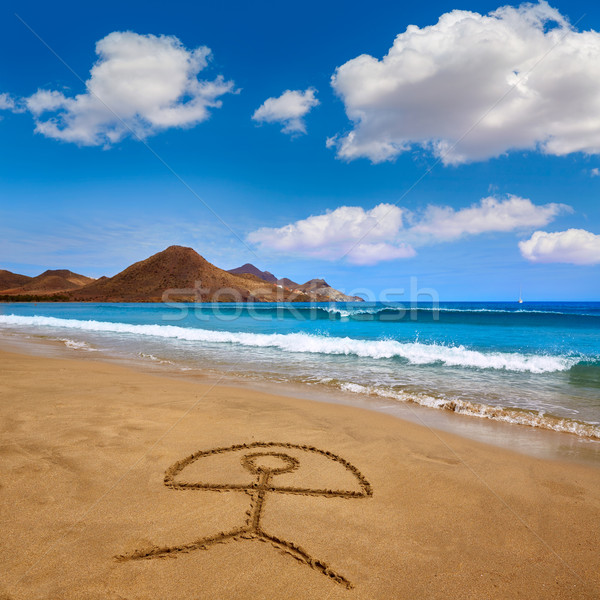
(50, 282)
(250, 269)
(322, 288)
(10, 280)
(180, 274)
(284, 281)
(314, 284)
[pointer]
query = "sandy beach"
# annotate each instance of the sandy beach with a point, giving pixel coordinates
(118, 484)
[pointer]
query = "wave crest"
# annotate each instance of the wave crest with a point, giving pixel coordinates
(413, 352)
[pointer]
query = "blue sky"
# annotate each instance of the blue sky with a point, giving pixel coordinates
(97, 207)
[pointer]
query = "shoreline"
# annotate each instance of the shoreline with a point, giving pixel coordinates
(526, 439)
(87, 444)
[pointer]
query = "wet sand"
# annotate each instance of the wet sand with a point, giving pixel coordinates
(118, 484)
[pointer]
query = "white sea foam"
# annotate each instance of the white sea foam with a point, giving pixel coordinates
(413, 352)
(77, 345)
(484, 411)
(155, 359)
(352, 311)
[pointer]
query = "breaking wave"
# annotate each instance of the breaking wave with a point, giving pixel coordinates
(413, 352)
(396, 312)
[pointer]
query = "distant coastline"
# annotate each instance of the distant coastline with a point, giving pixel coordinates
(177, 274)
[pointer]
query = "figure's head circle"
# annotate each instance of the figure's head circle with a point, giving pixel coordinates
(253, 462)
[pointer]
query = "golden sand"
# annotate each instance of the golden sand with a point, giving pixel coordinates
(124, 485)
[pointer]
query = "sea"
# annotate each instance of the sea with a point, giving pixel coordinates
(534, 365)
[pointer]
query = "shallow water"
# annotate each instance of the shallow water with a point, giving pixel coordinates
(536, 364)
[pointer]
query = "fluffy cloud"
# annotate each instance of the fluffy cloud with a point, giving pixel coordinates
(490, 214)
(288, 109)
(335, 233)
(576, 246)
(371, 254)
(140, 83)
(474, 86)
(6, 102)
(388, 232)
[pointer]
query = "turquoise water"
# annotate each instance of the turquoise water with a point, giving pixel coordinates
(537, 364)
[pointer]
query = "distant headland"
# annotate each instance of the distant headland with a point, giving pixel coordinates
(177, 274)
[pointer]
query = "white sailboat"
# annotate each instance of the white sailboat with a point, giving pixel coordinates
(520, 295)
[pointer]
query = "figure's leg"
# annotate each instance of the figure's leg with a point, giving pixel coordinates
(300, 554)
(200, 544)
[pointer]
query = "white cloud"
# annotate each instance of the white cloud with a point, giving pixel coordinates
(537, 76)
(575, 246)
(490, 214)
(595, 172)
(6, 102)
(288, 109)
(389, 232)
(333, 234)
(140, 83)
(371, 254)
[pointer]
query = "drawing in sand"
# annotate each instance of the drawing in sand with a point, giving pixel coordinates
(265, 460)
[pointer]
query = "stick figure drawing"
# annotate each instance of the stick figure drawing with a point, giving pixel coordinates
(265, 461)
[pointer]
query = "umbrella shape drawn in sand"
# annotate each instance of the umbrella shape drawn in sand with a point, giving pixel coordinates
(265, 460)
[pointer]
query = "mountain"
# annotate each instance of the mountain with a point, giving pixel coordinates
(177, 274)
(314, 287)
(314, 284)
(180, 274)
(249, 269)
(322, 288)
(288, 283)
(10, 280)
(49, 282)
